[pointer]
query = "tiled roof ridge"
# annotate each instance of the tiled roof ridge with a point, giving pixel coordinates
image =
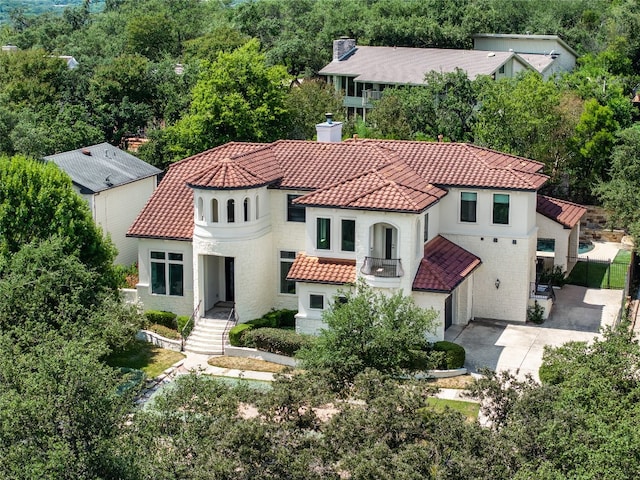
(471, 147)
(224, 166)
(210, 150)
(555, 199)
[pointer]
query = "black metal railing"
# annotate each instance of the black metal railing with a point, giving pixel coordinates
(232, 320)
(382, 267)
(190, 325)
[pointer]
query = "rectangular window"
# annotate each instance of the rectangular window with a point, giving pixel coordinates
(501, 208)
(501, 69)
(295, 213)
(286, 260)
(316, 301)
(468, 202)
(323, 233)
(167, 273)
(425, 235)
(349, 235)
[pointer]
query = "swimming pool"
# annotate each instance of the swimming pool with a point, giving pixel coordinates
(548, 245)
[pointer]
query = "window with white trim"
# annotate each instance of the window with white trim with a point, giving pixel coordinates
(468, 205)
(316, 302)
(286, 261)
(348, 236)
(295, 213)
(501, 208)
(214, 210)
(167, 273)
(323, 233)
(231, 210)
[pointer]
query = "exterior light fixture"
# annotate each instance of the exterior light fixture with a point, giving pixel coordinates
(497, 284)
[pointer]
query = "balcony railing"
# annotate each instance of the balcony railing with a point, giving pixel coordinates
(370, 95)
(541, 292)
(382, 267)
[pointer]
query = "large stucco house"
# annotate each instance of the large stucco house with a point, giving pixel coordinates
(287, 224)
(115, 184)
(363, 72)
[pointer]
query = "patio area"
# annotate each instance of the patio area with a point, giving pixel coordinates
(578, 315)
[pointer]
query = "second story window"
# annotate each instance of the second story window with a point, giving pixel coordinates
(501, 208)
(425, 235)
(348, 235)
(468, 203)
(323, 234)
(231, 211)
(295, 213)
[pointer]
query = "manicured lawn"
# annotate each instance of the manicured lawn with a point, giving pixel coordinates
(601, 275)
(147, 357)
(468, 409)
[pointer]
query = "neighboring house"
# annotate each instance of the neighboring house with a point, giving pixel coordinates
(115, 184)
(287, 224)
(363, 72)
(548, 54)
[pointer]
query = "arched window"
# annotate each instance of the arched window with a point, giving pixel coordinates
(231, 211)
(214, 210)
(200, 209)
(245, 206)
(257, 207)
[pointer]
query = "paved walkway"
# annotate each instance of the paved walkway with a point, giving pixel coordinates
(577, 315)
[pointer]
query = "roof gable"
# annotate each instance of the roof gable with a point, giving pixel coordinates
(565, 213)
(444, 266)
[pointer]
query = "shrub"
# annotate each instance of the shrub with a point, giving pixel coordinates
(275, 340)
(167, 319)
(555, 276)
(535, 313)
(454, 354)
(182, 321)
(237, 333)
(166, 332)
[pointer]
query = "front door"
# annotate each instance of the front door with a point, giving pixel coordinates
(448, 312)
(229, 280)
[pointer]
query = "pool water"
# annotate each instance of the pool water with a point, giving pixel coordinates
(584, 247)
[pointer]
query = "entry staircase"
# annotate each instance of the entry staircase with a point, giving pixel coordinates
(210, 331)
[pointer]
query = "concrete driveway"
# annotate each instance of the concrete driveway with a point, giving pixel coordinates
(577, 315)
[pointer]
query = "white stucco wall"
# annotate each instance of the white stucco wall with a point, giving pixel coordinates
(435, 301)
(309, 320)
(547, 228)
(181, 305)
(115, 210)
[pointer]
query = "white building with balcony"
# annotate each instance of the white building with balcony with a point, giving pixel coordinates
(290, 223)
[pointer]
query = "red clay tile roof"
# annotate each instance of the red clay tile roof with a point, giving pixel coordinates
(444, 266)
(347, 166)
(565, 213)
(322, 270)
(394, 187)
(169, 211)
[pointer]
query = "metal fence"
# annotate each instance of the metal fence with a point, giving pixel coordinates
(598, 273)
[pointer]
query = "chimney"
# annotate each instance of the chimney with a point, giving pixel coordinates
(329, 131)
(342, 47)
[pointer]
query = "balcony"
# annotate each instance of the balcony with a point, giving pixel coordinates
(382, 267)
(369, 96)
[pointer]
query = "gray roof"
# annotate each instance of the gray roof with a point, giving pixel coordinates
(402, 65)
(100, 167)
(538, 61)
(517, 36)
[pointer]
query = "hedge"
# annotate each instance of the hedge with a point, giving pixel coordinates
(276, 340)
(168, 319)
(454, 354)
(182, 321)
(237, 333)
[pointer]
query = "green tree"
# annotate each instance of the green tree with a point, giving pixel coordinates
(307, 104)
(620, 195)
(61, 415)
(368, 330)
(238, 97)
(37, 201)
